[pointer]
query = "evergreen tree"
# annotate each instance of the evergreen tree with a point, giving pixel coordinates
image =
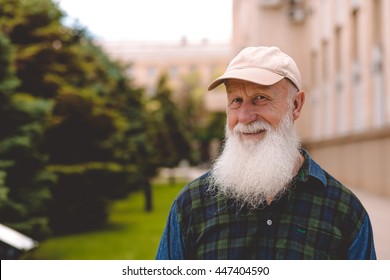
(171, 143)
(24, 183)
(95, 134)
(202, 126)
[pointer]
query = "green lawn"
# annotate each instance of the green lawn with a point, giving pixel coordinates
(132, 234)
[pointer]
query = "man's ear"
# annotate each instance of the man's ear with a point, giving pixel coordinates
(299, 100)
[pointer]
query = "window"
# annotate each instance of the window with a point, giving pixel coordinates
(326, 94)
(357, 94)
(377, 60)
(338, 85)
(151, 72)
(173, 73)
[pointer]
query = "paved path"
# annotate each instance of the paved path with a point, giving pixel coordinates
(378, 208)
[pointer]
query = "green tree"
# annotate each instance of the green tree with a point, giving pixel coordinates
(202, 126)
(24, 183)
(171, 142)
(95, 134)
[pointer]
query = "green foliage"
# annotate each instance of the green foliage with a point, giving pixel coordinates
(171, 143)
(24, 184)
(213, 128)
(75, 125)
(76, 133)
(191, 97)
(83, 192)
(202, 126)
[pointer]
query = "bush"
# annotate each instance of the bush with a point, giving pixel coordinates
(81, 197)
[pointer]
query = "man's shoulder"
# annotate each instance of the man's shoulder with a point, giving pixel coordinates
(193, 190)
(340, 197)
(333, 188)
(343, 192)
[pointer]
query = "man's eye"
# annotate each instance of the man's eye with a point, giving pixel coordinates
(235, 102)
(259, 98)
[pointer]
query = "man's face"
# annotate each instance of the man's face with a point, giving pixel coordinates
(249, 102)
(261, 151)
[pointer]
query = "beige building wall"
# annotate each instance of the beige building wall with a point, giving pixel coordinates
(343, 50)
(149, 60)
(273, 23)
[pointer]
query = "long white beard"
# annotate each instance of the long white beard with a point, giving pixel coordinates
(252, 171)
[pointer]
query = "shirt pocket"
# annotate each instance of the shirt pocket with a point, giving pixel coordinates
(323, 242)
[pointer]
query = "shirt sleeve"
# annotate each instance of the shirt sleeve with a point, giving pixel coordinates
(362, 248)
(171, 245)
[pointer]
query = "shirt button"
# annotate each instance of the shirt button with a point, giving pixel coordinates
(269, 222)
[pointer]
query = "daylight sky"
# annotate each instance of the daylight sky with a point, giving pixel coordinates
(152, 20)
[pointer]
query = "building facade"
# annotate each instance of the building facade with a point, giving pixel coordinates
(343, 50)
(149, 60)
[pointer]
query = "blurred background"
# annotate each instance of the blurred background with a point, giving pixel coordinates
(105, 113)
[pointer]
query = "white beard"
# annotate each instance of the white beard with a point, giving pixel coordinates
(250, 172)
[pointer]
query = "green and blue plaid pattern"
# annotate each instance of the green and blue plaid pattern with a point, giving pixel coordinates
(318, 218)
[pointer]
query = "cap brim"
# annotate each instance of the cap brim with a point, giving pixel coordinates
(254, 75)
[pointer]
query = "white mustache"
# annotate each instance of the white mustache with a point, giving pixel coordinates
(252, 127)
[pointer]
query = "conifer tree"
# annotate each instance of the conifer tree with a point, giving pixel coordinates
(85, 120)
(24, 182)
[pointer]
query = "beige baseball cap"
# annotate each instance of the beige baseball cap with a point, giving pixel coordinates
(261, 65)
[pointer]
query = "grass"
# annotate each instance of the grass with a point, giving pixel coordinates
(131, 234)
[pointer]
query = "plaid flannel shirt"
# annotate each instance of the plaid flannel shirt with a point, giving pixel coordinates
(318, 218)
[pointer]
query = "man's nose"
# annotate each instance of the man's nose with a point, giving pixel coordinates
(247, 113)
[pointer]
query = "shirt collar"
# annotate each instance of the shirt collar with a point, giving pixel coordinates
(310, 169)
